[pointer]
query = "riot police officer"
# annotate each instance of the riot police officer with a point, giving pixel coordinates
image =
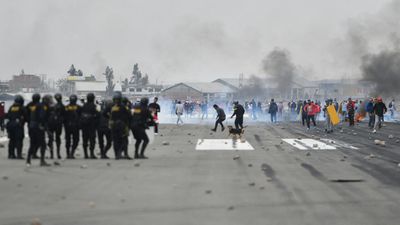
(140, 122)
(128, 106)
(55, 124)
(71, 125)
(39, 113)
(238, 111)
(104, 131)
(30, 107)
(119, 124)
(88, 123)
(15, 127)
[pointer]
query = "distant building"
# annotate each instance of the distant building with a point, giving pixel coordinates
(137, 90)
(25, 83)
(198, 91)
(82, 88)
(4, 86)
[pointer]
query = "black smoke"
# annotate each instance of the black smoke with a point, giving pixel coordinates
(383, 70)
(278, 65)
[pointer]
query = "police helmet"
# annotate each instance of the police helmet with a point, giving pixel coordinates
(19, 99)
(236, 102)
(90, 97)
(73, 99)
(36, 97)
(144, 101)
(117, 97)
(47, 99)
(58, 97)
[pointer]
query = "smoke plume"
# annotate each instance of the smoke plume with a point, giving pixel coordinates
(383, 70)
(279, 66)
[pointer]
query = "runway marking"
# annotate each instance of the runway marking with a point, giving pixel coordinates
(322, 144)
(222, 144)
(306, 144)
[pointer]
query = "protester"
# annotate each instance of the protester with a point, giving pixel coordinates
(379, 110)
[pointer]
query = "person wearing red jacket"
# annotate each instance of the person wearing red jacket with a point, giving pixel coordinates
(351, 108)
(311, 109)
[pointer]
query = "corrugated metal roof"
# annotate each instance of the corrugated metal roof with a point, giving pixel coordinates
(95, 86)
(206, 87)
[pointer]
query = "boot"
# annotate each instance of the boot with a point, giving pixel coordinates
(51, 153)
(44, 163)
(85, 153)
(92, 155)
(58, 153)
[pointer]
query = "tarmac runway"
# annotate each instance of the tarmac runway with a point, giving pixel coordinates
(313, 178)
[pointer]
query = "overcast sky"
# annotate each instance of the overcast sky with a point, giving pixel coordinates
(173, 40)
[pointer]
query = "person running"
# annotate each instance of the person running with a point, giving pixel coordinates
(238, 111)
(379, 110)
(220, 118)
(179, 112)
(273, 108)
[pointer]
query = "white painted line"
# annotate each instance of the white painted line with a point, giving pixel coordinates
(305, 144)
(339, 144)
(222, 144)
(294, 143)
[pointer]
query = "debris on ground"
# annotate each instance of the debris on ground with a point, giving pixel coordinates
(252, 184)
(308, 154)
(165, 143)
(397, 141)
(262, 188)
(122, 200)
(136, 164)
(19, 185)
(236, 157)
(208, 191)
(391, 136)
(230, 208)
(269, 180)
(56, 163)
(108, 164)
(2, 145)
(84, 166)
(379, 142)
(370, 156)
(5, 178)
(36, 221)
(189, 134)
(63, 197)
(354, 133)
(250, 165)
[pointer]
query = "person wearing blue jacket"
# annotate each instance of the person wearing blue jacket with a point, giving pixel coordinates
(369, 108)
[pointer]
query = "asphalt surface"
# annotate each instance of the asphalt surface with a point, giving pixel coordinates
(274, 184)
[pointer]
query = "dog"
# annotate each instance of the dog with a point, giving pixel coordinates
(235, 133)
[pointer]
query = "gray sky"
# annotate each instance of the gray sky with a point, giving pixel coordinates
(173, 40)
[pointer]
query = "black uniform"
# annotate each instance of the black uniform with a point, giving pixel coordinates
(71, 125)
(15, 128)
(119, 117)
(88, 122)
(55, 124)
(103, 131)
(140, 122)
(220, 118)
(238, 111)
(38, 117)
(155, 109)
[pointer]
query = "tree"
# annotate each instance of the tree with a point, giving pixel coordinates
(109, 74)
(136, 75)
(62, 85)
